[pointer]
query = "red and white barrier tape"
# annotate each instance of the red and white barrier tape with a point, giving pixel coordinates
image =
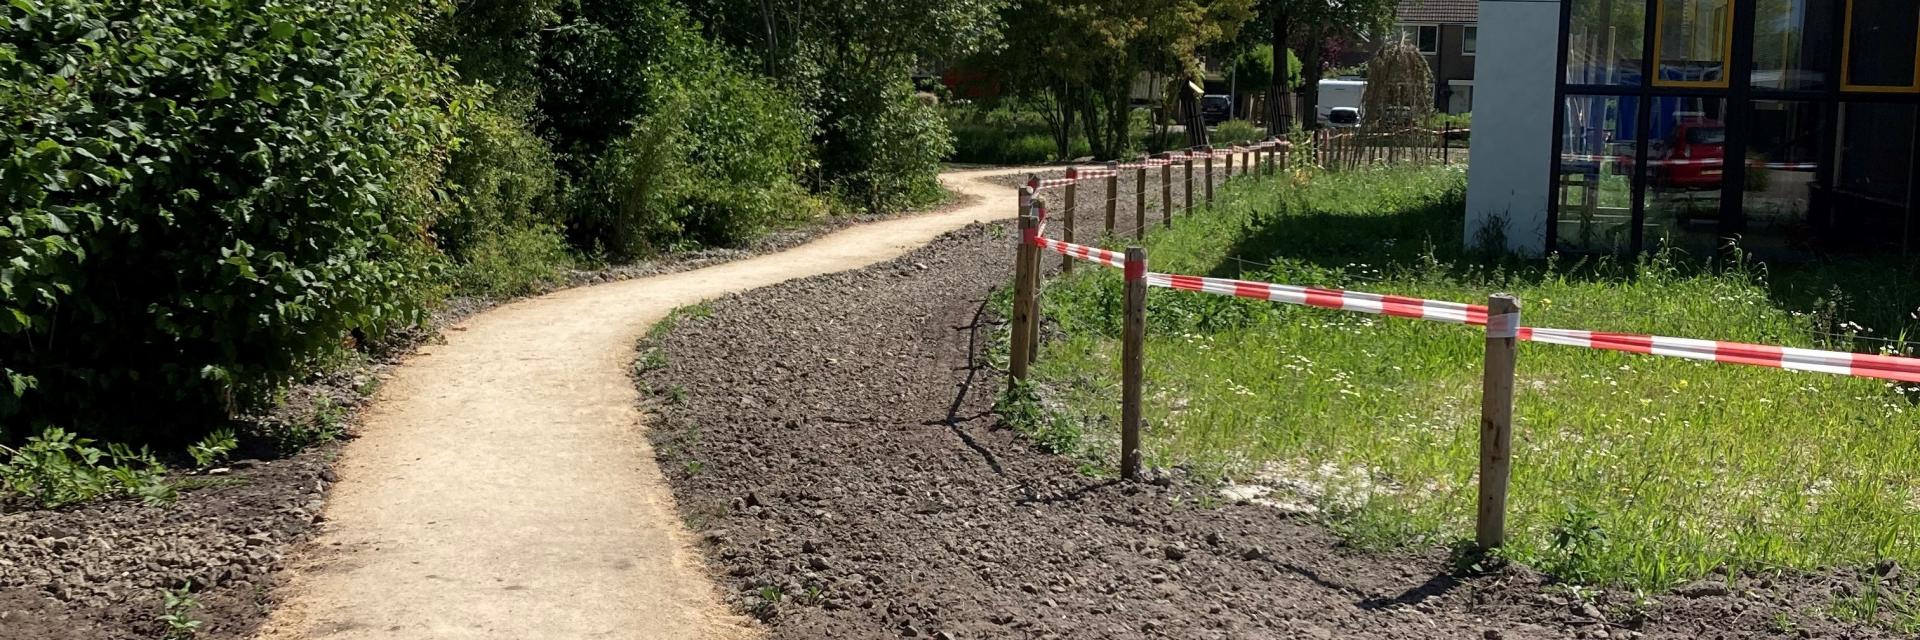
(1082, 252)
(1398, 306)
(1835, 362)
(1790, 358)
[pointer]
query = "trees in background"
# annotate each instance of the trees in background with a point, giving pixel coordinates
(1078, 59)
(1310, 27)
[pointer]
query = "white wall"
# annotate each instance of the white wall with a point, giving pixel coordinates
(1514, 75)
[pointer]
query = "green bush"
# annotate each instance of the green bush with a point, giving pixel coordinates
(511, 262)
(689, 149)
(882, 150)
(1234, 132)
(500, 177)
(202, 196)
(1005, 136)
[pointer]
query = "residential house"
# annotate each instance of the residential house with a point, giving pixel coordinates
(1448, 33)
(1628, 125)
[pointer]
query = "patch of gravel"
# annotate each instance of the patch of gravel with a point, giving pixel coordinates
(96, 571)
(832, 441)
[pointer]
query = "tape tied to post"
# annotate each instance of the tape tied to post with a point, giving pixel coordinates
(1506, 325)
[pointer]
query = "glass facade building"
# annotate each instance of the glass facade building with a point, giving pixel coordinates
(1787, 124)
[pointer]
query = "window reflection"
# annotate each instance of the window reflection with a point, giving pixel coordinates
(1604, 40)
(1783, 161)
(1686, 166)
(1695, 39)
(1881, 36)
(1792, 42)
(1872, 170)
(1595, 181)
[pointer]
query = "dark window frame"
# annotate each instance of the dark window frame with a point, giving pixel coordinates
(1740, 95)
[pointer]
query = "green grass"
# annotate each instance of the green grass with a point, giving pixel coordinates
(1628, 470)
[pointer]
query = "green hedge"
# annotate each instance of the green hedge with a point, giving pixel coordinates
(202, 196)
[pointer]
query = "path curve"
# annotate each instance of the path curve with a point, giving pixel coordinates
(502, 486)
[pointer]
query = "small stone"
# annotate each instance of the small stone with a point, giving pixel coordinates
(1703, 589)
(818, 563)
(1493, 634)
(1176, 552)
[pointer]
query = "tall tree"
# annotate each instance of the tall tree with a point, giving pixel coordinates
(1308, 26)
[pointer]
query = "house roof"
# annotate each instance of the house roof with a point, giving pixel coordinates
(1439, 11)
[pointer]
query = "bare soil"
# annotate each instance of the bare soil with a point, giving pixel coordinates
(96, 571)
(833, 441)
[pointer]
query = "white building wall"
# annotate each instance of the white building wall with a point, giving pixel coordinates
(1512, 149)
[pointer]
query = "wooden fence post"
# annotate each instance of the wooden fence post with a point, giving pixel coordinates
(1446, 144)
(1166, 191)
(1227, 172)
(1496, 419)
(1113, 192)
(1209, 171)
(1187, 195)
(1133, 362)
(1023, 262)
(1034, 273)
(1073, 185)
(1140, 201)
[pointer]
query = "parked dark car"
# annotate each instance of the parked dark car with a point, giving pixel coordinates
(1215, 109)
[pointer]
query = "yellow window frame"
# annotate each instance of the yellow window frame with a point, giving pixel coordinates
(1726, 48)
(1846, 65)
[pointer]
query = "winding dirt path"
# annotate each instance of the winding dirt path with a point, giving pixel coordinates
(503, 488)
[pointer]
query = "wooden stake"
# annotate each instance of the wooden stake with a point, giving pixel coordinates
(1209, 171)
(1228, 172)
(1034, 274)
(1496, 419)
(1140, 202)
(1023, 263)
(1187, 195)
(1166, 191)
(1446, 145)
(1133, 362)
(1073, 177)
(1113, 192)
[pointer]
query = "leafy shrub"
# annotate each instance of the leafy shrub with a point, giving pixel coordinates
(1234, 132)
(882, 150)
(202, 196)
(674, 142)
(500, 177)
(59, 467)
(213, 448)
(514, 261)
(1004, 136)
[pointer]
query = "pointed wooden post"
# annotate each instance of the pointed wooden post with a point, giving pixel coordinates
(1209, 171)
(1133, 362)
(1140, 201)
(1166, 190)
(1024, 261)
(1496, 419)
(1187, 195)
(1113, 192)
(1073, 185)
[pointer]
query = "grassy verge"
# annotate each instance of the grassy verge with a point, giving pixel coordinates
(1628, 470)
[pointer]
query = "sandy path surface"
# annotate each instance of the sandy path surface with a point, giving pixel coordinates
(503, 486)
